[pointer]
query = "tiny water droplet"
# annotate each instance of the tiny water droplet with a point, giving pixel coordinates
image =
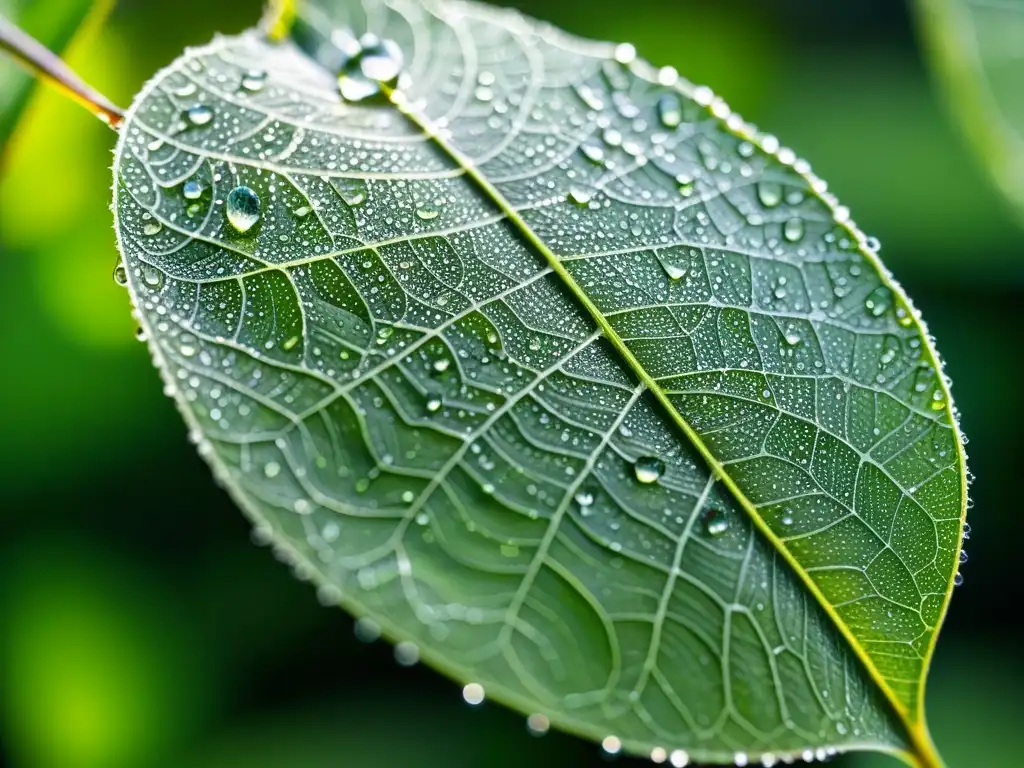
(192, 189)
(254, 80)
(152, 276)
(199, 114)
(473, 693)
(434, 404)
(679, 758)
(120, 275)
(440, 366)
(367, 630)
(793, 230)
(407, 654)
(593, 153)
(611, 744)
(769, 193)
(427, 213)
(958, 579)
(243, 208)
(302, 211)
(648, 469)
(879, 301)
(714, 522)
(669, 111)
(580, 196)
(271, 469)
(538, 724)
(967, 531)
(151, 228)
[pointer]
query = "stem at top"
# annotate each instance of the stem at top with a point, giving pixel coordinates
(49, 67)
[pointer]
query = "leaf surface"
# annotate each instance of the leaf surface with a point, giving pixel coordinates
(977, 48)
(52, 22)
(557, 372)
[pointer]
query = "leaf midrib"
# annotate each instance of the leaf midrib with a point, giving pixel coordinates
(915, 727)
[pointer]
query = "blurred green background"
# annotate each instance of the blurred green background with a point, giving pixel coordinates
(139, 626)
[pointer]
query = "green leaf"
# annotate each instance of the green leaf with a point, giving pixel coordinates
(977, 49)
(555, 371)
(52, 22)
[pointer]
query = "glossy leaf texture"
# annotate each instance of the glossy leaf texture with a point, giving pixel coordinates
(54, 23)
(555, 371)
(977, 48)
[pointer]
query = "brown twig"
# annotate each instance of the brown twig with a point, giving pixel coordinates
(49, 67)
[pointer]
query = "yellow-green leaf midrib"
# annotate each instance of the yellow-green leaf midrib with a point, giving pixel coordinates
(911, 721)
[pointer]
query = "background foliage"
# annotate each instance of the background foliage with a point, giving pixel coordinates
(142, 628)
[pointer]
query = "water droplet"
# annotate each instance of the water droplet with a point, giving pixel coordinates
(440, 366)
(192, 189)
(152, 276)
(352, 191)
(879, 301)
(669, 111)
(580, 196)
(120, 275)
(769, 193)
(473, 693)
(593, 153)
(367, 630)
(434, 404)
(967, 531)
(407, 654)
(375, 64)
(611, 744)
(302, 211)
(793, 230)
(679, 758)
(714, 522)
(427, 213)
(254, 80)
(243, 209)
(271, 469)
(538, 724)
(199, 114)
(648, 469)
(584, 498)
(963, 556)
(958, 579)
(151, 228)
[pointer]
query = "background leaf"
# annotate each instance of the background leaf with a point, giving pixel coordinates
(977, 49)
(417, 407)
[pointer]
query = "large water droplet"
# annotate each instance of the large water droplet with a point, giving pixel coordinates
(243, 209)
(373, 65)
(199, 114)
(120, 275)
(648, 469)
